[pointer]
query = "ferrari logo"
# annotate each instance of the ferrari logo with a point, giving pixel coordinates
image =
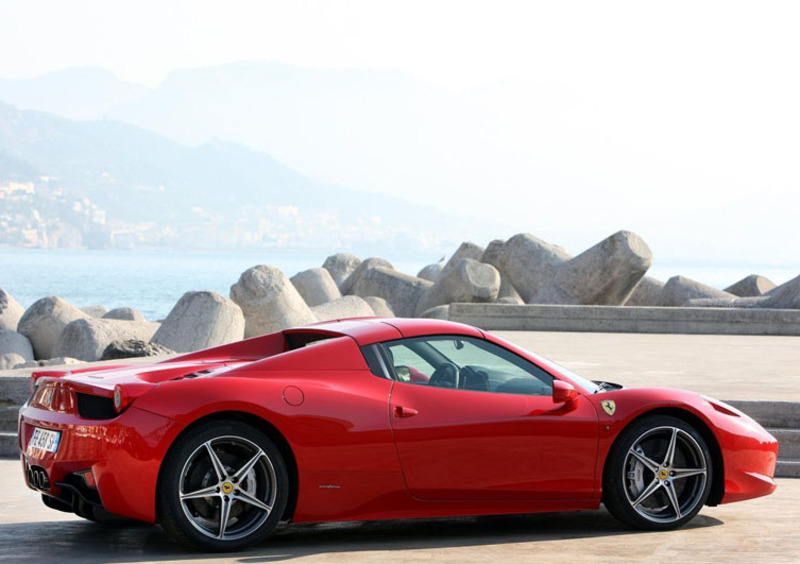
(608, 406)
(227, 487)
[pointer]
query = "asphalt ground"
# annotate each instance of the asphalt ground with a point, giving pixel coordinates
(727, 367)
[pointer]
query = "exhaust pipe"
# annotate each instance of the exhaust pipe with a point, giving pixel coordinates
(37, 477)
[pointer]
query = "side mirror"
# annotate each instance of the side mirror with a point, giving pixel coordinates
(564, 392)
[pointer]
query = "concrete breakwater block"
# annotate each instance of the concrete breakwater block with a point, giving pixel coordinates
(751, 286)
(340, 266)
(86, 339)
(269, 301)
(316, 286)
(466, 281)
(15, 348)
(679, 290)
(348, 306)
(348, 284)
(200, 320)
(605, 274)
(44, 322)
(10, 311)
(403, 292)
(124, 314)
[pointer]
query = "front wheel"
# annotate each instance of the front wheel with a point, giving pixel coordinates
(224, 487)
(658, 474)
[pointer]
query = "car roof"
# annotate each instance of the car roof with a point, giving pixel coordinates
(369, 330)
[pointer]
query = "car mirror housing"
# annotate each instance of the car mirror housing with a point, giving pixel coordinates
(564, 392)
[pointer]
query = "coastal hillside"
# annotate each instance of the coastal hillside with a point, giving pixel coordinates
(104, 183)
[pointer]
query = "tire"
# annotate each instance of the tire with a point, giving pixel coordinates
(223, 487)
(658, 474)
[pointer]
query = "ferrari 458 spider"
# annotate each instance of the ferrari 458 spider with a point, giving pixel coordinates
(376, 419)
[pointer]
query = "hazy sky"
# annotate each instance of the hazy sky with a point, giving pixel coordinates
(677, 120)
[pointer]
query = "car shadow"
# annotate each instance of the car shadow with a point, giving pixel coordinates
(91, 543)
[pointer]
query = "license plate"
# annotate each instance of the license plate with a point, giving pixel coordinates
(45, 440)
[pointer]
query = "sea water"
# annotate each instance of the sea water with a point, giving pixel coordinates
(153, 281)
(149, 281)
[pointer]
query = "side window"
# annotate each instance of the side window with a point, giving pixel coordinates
(465, 363)
(408, 365)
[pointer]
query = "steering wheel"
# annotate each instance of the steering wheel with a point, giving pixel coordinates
(445, 376)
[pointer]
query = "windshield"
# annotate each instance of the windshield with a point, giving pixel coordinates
(587, 385)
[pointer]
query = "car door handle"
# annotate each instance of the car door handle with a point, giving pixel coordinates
(400, 411)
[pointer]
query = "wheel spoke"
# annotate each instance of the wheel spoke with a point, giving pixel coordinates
(680, 473)
(215, 462)
(248, 466)
(649, 464)
(210, 491)
(224, 515)
(673, 440)
(648, 491)
(247, 498)
(673, 499)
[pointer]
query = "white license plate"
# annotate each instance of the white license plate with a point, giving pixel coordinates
(45, 440)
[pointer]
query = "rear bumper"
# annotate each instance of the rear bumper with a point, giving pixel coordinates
(111, 463)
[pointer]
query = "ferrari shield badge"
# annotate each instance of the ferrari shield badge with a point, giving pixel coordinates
(608, 406)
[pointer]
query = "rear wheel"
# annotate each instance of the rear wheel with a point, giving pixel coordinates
(224, 487)
(658, 474)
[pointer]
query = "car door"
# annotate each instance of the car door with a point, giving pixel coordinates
(495, 433)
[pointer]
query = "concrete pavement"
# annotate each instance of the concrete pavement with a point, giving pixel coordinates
(727, 367)
(759, 530)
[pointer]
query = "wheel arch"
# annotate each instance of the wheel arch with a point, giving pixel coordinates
(258, 423)
(702, 427)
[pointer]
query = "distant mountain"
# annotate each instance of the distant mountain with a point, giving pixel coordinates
(135, 176)
(75, 93)
(374, 129)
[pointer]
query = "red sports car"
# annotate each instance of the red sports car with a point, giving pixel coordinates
(376, 419)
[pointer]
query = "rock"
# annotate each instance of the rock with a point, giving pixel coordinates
(95, 310)
(124, 314)
(438, 312)
(679, 290)
(527, 262)
(647, 293)
(15, 343)
(58, 361)
(751, 286)
(340, 266)
(10, 311)
(343, 308)
(269, 301)
(346, 287)
(402, 291)
(466, 281)
(10, 361)
(431, 272)
(507, 290)
(380, 307)
(316, 286)
(86, 339)
(133, 348)
(44, 321)
(510, 300)
(785, 296)
(465, 250)
(201, 320)
(605, 274)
